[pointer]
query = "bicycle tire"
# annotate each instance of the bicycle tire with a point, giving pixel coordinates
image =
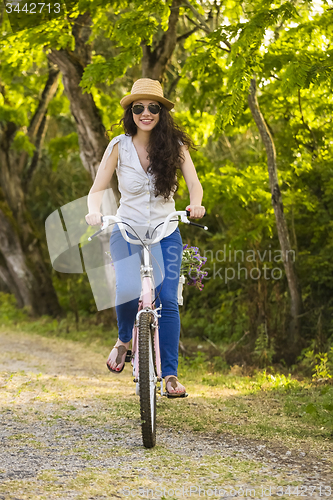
(147, 376)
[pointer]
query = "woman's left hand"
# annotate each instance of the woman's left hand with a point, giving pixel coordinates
(197, 211)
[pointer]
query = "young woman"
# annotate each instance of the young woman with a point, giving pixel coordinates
(146, 159)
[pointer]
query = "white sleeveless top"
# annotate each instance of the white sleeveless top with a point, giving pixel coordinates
(138, 204)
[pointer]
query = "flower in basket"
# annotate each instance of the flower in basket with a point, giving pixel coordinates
(192, 262)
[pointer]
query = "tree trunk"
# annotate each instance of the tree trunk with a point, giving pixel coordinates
(154, 61)
(20, 246)
(23, 280)
(296, 306)
(7, 285)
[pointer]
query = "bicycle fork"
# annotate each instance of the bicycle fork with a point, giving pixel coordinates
(156, 346)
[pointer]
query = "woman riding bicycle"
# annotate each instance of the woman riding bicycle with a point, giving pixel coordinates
(146, 159)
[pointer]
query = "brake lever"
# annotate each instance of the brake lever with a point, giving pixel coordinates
(95, 234)
(198, 225)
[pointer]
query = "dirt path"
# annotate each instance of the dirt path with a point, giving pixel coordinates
(69, 429)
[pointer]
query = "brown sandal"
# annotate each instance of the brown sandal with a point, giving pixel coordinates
(121, 351)
(173, 381)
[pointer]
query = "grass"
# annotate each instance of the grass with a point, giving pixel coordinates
(263, 405)
(86, 331)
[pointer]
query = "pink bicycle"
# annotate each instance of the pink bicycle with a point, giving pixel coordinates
(145, 353)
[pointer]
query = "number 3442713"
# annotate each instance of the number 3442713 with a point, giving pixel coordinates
(33, 8)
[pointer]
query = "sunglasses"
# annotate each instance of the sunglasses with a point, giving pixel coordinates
(139, 108)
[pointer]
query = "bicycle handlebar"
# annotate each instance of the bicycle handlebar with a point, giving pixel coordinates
(183, 218)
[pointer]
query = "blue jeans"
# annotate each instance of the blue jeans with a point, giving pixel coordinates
(166, 261)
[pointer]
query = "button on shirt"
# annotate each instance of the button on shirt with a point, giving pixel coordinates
(138, 204)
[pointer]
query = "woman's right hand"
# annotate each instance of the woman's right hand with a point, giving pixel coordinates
(94, 219)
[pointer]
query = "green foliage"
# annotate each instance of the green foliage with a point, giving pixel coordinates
(59, 106)
(324, 366)
(7, 113)
(284, 47)
(21, 143)
(260, 381)
(62, 147)
(250, 52)
(196, 363)
(9, 313)
(265, 381)
(320, 365)
(220, 365)
(84, 328)
(107, 71)
(263, 349)
(127, 30)
(198, 125)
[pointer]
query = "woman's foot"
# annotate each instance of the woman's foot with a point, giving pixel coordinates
(117, 356)
(173, 386)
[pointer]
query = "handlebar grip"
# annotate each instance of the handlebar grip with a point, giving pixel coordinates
(189, 213)
(101, 221)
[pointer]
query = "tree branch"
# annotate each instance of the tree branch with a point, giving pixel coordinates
(198, 16)
(37, 153)
(172, 87)
(217, 46)
(37, 120)
(218, 8)
(199, 26)
(208, 30)
(186, 35)
(47, 95)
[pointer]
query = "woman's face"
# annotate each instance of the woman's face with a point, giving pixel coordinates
(146, 121)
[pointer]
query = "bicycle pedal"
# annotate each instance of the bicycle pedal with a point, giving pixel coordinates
(170, 396)
(128, 358)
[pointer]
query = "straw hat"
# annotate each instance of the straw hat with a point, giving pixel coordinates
(145, 88)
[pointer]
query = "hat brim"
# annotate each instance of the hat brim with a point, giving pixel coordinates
(128, 99)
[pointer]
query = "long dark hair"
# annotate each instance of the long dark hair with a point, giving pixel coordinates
(164, 149)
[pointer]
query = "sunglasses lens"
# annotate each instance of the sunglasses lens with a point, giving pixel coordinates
(154, 108)
(137, 109)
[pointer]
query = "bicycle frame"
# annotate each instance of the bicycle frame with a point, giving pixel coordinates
(145, 304)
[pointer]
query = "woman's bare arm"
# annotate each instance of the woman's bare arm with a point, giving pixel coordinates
(193, 185)
(101, 182)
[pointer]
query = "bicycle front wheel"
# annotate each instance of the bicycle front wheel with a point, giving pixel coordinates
(147, 381)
